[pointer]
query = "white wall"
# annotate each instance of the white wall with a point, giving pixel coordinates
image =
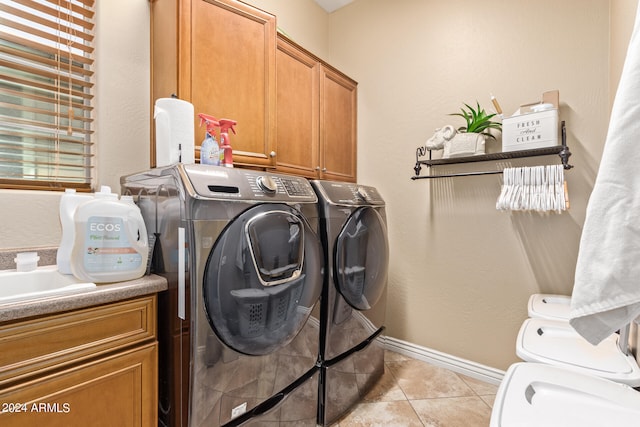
(30, 218)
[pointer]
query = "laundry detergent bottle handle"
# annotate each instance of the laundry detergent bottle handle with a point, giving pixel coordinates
(136, 234)
(69, 202)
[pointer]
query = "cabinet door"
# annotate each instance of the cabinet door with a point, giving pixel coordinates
(338, 121)
(297, 110)
(120, 390)
(220, 56)
(233, 74)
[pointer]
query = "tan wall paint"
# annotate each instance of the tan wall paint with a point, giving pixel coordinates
(460, 271)
(302, 20)
(622, 14)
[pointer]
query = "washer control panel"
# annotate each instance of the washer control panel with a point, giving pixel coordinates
(280, 187)
(284, 185)
(215, 182)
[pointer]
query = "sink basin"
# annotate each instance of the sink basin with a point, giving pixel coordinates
(42, 282)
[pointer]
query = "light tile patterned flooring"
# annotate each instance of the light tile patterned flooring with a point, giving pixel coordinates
(415, 393)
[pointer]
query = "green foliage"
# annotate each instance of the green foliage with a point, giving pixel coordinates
(478, 121)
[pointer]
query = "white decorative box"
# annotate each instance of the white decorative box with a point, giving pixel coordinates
(531, 130)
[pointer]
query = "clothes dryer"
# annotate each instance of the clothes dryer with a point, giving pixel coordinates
(353, 302)
(241, 253)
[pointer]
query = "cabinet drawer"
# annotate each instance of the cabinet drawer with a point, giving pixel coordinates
(31, 346)
(117, 390)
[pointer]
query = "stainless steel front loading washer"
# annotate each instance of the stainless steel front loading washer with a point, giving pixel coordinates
(241, 253)
(353, 302)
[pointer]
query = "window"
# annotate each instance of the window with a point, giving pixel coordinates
(46, 61)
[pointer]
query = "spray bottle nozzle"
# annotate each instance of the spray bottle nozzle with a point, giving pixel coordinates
(226, 124)
(211, 122)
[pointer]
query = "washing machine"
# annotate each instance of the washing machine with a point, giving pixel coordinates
(244, 261)
(353, 303)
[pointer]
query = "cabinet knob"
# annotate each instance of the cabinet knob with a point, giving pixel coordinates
(272, 154)
(324, 169)
(317, 168)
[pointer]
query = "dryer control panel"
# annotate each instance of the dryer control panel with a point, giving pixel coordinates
(344, 193)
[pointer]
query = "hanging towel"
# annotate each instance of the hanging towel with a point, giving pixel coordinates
(606, 293)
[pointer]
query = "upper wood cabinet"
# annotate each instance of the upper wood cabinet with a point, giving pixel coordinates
(220, 56)
(316, 116)
(298, 110)
(295, 112)
(338, 126)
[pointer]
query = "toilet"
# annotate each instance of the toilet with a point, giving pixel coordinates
(549, 306)
(555, 342)
(534, 395)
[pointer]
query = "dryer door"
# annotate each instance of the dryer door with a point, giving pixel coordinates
(361, 259)
(262, 279)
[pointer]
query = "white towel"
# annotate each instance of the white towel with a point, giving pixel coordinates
(606, 293)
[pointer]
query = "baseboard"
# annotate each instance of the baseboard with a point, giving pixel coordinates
(453, 363)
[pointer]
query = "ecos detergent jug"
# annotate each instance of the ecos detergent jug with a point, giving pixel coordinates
(111, 242)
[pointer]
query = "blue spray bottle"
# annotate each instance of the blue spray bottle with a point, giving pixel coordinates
(209, 150)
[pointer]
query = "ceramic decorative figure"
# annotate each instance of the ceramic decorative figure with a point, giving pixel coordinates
(467, 140)
(440, 137)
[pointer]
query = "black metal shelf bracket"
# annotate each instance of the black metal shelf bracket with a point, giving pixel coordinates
(561, 150)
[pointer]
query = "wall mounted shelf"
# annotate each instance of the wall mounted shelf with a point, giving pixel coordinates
(561, 150)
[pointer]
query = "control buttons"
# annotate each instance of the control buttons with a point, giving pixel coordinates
(296, 188)
(267, 184)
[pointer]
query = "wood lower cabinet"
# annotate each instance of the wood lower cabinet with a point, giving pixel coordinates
(90, 367)
(220, 56)
(316, 116)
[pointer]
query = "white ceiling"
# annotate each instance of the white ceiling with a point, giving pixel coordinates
(331, 5)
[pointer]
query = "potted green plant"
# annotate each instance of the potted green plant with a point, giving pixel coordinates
(478, 121)
(470, 139)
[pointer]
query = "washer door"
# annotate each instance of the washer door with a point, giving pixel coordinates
(361, 259)
(262, 279)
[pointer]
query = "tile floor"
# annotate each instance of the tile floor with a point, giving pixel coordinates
(415, 393)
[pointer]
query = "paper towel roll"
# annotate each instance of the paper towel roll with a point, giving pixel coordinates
(175, 133)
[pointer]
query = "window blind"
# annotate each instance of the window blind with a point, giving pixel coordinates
(46, 93)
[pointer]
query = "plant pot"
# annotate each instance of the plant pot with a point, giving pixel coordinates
(464, 144)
